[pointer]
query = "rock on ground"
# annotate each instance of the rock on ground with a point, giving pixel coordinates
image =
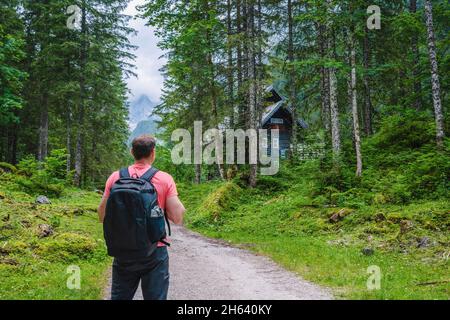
(42, 200)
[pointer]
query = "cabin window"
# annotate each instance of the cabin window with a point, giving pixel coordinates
(276, 121)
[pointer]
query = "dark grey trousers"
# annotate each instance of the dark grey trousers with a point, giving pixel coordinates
(152, 272)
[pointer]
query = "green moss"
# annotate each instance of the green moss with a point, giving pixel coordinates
(66, 247)
(40, 264)
(7, 167)
(222, 199)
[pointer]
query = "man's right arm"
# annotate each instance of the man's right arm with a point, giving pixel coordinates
(175, 209)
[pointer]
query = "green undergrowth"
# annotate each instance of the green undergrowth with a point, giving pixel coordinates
(332, 244)
(35, 263)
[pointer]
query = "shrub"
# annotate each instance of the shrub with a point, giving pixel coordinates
(222, 199)
(400, 163)
(47, 178)
(407, 130)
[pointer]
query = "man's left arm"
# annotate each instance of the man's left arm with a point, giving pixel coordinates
(102, 209)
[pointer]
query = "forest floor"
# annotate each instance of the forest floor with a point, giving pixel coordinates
(408, 243)
(208, 269)
(42, 246)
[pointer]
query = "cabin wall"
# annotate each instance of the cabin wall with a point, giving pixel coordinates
(282, 121)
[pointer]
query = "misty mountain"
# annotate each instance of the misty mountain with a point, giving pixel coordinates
(141, 119)
(140, 110)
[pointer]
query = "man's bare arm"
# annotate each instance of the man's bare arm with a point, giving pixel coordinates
(101, 209)
(175, 210)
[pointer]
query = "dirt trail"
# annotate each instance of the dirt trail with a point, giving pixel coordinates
(207, 269)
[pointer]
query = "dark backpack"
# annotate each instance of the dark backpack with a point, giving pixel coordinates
(134, 223)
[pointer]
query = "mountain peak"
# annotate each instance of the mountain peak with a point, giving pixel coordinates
(143, 99)
(140, 109)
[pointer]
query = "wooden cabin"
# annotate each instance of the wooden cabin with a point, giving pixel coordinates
(278, 115)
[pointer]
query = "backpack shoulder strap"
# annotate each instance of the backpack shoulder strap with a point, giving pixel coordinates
(124, 173)
(148, 176)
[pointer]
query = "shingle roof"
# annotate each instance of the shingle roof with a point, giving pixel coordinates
(270, 110)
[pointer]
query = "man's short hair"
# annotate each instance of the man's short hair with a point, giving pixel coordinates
(143, 146)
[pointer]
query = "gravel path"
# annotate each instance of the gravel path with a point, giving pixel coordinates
(208, 269)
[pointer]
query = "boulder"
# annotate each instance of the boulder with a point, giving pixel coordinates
(367, 251)
(380, 217)
(44, 230)
(338, 216)
(405, 226)
(423, 242)
(43, 200)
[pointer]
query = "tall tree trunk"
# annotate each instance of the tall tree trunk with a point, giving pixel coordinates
(252, 80)
(292, 78)
(334, 112)
(80, 132)
(11, 147)
(334, 109)
(43, 128)
(240, 101)
(198, 173)
(416, 57)
(354, 104)
(435, 85)
(325, 77)
(230, 78)
(245, 60)
(259, 66)
(213, 96)
(69, 140)
(367, 99)
(219, 161)
(15, 138)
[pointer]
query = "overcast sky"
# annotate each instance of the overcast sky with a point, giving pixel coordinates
(148, 61)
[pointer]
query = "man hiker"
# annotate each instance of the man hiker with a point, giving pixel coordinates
(136, 204)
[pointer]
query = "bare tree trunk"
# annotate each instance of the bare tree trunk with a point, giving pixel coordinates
(292, 82)
(213, 94)
(219, 161)
(259, 67)
(198, 173)
(245, 60)
(241, 119)
(79, 152)
(69, 140)
(367, 99)
(334, 109)
(230, 78)
(354, 104)
(325, 78)
(435, 84)
(252, 81)
(416, 57)
(12, 144)
(80, 132)
(43, 128)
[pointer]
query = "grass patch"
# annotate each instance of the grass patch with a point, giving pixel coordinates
(33, 266)
(410, 242)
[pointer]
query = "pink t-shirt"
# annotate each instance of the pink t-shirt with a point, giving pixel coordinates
(163, 182)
